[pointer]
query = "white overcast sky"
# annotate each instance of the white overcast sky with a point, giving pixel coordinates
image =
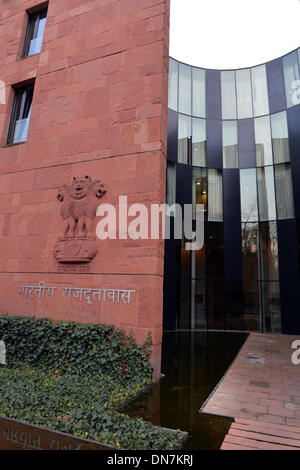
(233, 33)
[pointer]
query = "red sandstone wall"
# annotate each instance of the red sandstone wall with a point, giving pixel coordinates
(99, 109)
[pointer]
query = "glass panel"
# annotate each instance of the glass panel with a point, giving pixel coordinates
(260, 91)
(250, 251)
(35, 46)
(228, 95)
(199, 108)
(215, 250)
(266, 193)
(268, 244)
(252, 310)
(199, 189)
(200, 303)
(233, 304)
(183, 320)
(199, 142)
(284, 191)
(280, 137)
(298, 240)
(173, 85)
(171, 184)
(270, 297)
(230, 144)
(215, 305)
(263, 141)
(41, 27)
(244, 100)
(291, 74)
(200, 268)
(198, 313)
(215, 195)
(248, 195)
(185, 88)
(21, 130)
(184, 138)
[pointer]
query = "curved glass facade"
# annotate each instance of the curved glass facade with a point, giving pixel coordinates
(234, 146)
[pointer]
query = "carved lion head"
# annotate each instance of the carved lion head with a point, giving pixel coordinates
(80, 186)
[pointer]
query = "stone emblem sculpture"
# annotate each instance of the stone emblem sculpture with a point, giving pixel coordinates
(79, 202)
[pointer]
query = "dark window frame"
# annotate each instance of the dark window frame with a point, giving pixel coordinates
(16, 109)
(31, 25)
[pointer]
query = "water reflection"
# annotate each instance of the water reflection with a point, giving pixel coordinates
(193, 364)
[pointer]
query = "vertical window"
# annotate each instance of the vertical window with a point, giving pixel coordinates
(284, 191)
(244, 99)
(200, 297)
(280, 137)
(173, 84)
(215, 195)
(199, 142)
(214, 293)
(251, 306)
(260, 91)
(171, 184)
(199, 188)
(291, 74)
(269, 267)
(184, 138)
(185, 89)
(228, 95)
(183, 319)
(198, 83)
(270, 300)
(230, 144)
(20, 117)
(248, 195)
(250, 251)
(266, 193)
(35, 33)
(269, 271)
(263, 141)
(215, 253)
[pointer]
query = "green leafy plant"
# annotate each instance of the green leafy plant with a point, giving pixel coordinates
(70, 377)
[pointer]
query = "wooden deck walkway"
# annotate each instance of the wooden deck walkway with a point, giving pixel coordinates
(245, 434)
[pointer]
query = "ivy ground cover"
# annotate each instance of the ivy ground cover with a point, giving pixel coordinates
(70, 377)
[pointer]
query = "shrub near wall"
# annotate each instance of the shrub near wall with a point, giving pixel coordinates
(68, 377)
(74, 348)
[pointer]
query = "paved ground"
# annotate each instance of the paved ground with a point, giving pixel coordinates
(262, 384)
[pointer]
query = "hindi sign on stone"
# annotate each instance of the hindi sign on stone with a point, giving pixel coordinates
(90, 295)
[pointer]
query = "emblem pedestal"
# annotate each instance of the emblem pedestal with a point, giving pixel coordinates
(75, 250)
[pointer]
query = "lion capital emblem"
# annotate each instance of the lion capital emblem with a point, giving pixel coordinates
(79, 202)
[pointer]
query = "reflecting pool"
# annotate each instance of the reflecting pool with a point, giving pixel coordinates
(193, 362)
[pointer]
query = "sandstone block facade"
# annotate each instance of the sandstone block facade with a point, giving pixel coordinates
(99, 109)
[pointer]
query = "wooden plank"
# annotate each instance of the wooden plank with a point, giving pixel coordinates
(295, 429)
(258, 444)
(17, 435)
(228, 446)
(266, 430)
(264, 437)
